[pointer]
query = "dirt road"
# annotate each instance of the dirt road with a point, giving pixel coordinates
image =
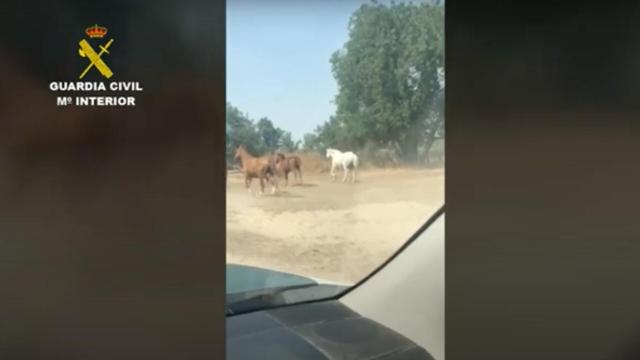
(330, 230)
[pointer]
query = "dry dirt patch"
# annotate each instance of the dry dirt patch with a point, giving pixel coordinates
(327, 229)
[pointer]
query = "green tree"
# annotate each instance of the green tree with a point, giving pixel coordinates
(387, 75)
(286, 142)
(240, 130)
(259, 138)
(310, 142)
(334, 133)
(269, 134)
(434, 124)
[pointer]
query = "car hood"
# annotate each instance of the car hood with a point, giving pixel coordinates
(243, 278)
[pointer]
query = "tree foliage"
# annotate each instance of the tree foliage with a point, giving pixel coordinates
(258, 137)
(387, 75)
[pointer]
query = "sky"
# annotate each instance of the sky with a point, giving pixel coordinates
(278, 55)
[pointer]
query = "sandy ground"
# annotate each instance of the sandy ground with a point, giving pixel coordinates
(334, 231)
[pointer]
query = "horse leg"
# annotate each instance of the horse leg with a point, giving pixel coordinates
(346, 173)
(299, 176)
(247, 183)
(274, 184)
(261, 184)
(333, 173)
(286, 178)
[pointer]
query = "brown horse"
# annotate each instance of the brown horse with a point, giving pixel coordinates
(287, 164)
(262, 167)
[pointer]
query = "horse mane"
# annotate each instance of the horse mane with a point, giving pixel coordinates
(243, 148)
(334, 151)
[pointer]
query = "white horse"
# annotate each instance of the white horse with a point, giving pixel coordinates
(348, 160)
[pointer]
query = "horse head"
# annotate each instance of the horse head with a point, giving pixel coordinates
(239, 150)
(330, 152)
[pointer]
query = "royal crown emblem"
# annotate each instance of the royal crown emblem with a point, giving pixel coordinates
(96, 31)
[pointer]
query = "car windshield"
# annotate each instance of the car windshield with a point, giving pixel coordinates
(334, 142)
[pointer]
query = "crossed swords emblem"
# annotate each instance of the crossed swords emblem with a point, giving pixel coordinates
(96, 60)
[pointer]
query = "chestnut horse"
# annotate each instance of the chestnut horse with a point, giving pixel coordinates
(262, 167)
(287, 164)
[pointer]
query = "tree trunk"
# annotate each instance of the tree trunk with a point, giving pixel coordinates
(428, 144)
(410, 149)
